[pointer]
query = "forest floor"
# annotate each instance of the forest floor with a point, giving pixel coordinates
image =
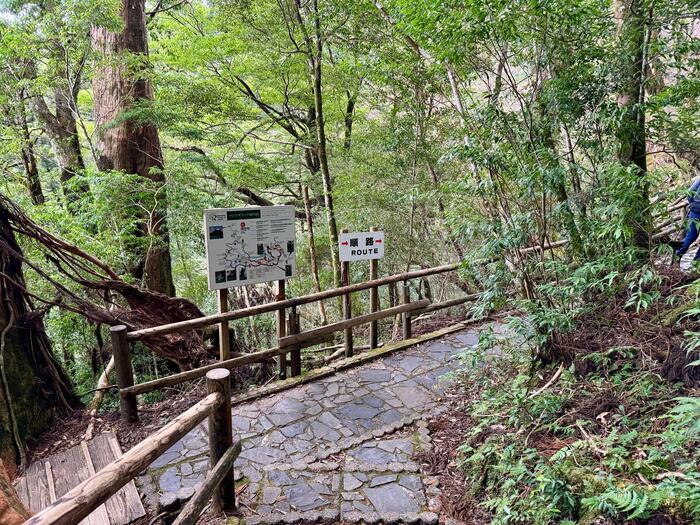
(592, 435)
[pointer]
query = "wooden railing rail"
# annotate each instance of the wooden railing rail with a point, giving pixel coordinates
(293, 340)
(191, 375)
(209, 320)
(194, 507)
(290, 339)
(345, 324)
(82, 500)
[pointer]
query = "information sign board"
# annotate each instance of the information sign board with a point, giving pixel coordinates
(249, 245)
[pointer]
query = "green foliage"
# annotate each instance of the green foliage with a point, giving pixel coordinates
(479, 129)
(541, 455)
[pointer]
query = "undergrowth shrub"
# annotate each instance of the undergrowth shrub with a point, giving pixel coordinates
(597, 435)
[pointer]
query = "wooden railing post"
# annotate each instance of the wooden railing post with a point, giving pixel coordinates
(373, 300)
(281, 330)
(224, 342)
(125, 374)
(406, 316)
(347, 303)
(221, 438)
(295, 353)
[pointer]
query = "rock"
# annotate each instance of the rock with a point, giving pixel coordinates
(411, 482)
(358, 411)
(322, 431)
(294, 430)
(371, 454)
(373, 375)
(382, 480)
(429, 518)
(270, 495)
(350, 482)
(262, 454)
(372, 400)
(391, 445)
(392, 498)
(185, 493)
(329, 419)
(411, 396)
(302, 498)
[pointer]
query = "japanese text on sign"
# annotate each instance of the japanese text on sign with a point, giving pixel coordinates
(361, 246)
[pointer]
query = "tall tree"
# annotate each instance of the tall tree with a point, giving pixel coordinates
(62, 128)
(131, 143)
(313, 45)
(15, 113)
(632, 16)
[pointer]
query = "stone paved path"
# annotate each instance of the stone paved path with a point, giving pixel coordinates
(338, 448)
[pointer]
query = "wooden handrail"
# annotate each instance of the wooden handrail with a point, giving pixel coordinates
(256, 357)
(208, 320)
(196, 373)
(194, 507)
(82, 500)
(295, 339)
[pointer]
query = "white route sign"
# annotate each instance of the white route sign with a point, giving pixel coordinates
(249, 245)
(361, 246)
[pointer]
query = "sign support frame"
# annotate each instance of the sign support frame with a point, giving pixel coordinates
(224, 336)
(374, 305)
(347, 303)
(281, 328)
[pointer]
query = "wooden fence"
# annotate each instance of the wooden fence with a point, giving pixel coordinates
(218, 486)
(290, 338)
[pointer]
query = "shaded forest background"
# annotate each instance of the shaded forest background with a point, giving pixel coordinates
(465, 130)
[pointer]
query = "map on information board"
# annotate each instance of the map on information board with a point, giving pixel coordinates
(249, 245)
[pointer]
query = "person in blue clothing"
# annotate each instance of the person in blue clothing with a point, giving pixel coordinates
(691, 232)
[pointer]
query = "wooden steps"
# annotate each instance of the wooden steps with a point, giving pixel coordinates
(47, 480)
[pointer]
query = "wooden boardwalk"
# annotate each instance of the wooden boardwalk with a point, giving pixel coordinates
(47, 480)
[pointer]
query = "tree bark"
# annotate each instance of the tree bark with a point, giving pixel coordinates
(312, 251)
(62, 129)
(314, 55)
(631, 16)
(130, 145)
(31, 169)
(322, 149)
(34, 388)
(12, 511)
(349, 117)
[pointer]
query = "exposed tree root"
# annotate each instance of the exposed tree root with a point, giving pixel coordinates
(92, 286)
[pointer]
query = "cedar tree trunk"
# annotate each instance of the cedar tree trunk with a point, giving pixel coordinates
(132, 145)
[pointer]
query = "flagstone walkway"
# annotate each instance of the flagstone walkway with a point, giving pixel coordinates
(338, 448)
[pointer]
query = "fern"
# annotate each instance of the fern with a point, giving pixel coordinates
(688, 412)
(628, 503)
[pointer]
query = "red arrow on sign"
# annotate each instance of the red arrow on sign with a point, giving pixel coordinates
(344, 243)
(378, 241)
